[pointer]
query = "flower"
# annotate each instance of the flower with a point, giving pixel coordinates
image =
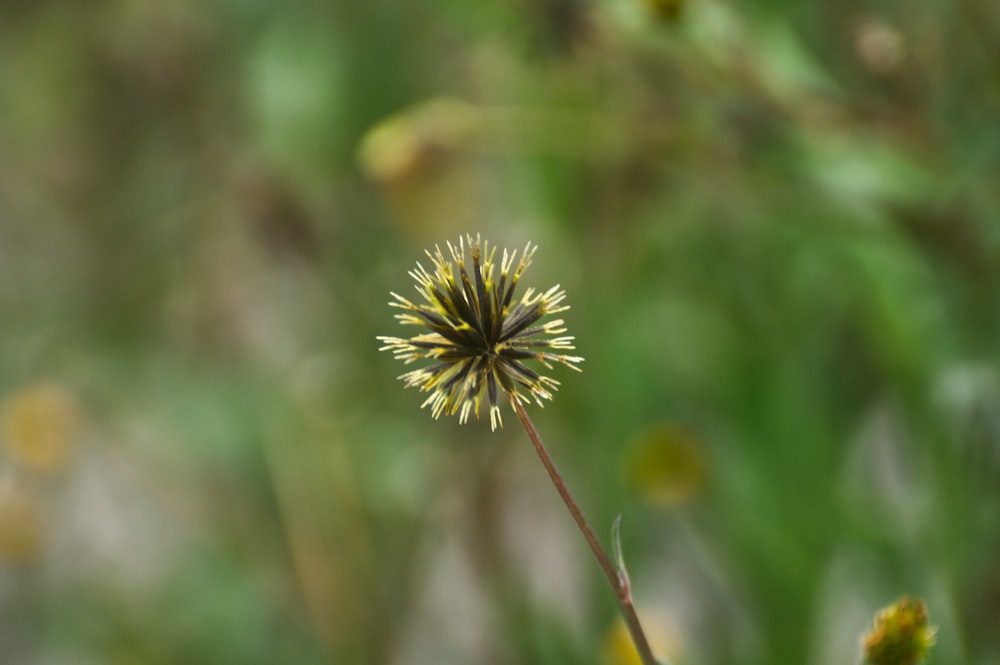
(39, 425)
(479, 336)
(900, 635)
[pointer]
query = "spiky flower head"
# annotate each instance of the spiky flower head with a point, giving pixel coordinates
(900, 636)
(478, 336)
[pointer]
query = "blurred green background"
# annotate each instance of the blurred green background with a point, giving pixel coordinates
(777, 225)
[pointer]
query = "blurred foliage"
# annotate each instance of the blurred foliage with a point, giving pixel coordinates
(777, 224)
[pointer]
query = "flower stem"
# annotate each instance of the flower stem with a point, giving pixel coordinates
(618, 579)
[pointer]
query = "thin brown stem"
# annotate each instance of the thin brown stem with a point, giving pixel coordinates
(618, 579)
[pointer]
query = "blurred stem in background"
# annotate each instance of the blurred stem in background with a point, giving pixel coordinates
(617, 578)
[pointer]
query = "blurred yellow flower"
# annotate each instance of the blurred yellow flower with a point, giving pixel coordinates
(38, 425)
(900, 636)
(665, 465)
(661, 631)
(413, 141)
(665, 10)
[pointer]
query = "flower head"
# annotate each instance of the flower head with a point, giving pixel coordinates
(900, 636)
(479, 336)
